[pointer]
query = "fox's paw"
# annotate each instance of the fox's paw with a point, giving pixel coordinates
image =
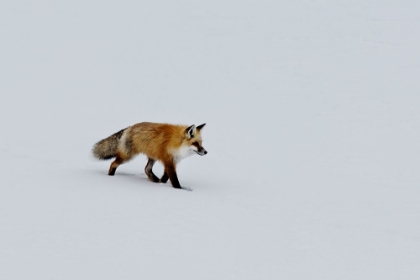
(164, 178)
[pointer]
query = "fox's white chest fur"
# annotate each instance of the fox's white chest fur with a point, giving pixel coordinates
(182, 152)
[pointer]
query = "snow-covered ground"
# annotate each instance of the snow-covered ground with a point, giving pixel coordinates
(313, 132)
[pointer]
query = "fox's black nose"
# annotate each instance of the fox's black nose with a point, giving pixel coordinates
(205, 152)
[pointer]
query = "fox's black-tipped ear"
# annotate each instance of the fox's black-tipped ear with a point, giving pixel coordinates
(191, 130)
(200, 126)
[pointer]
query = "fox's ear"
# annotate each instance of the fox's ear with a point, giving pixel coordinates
(191, 130)
(200, 126)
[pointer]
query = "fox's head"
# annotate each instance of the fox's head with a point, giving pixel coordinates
(193, 139)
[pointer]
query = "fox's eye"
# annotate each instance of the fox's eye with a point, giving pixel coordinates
(195, 144)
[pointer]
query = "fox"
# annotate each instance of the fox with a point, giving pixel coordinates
(167, 143)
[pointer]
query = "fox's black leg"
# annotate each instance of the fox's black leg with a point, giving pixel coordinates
(149, 172)
(117, 162)
(164, 178)
(171, 171)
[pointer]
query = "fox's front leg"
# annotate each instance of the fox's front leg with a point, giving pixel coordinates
(170, 171)
(164, 178)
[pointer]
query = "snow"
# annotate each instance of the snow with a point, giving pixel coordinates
(312, 112)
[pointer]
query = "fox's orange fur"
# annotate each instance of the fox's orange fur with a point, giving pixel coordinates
(158, 141)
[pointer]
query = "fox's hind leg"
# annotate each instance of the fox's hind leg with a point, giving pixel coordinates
(149, 172)
(117, 162)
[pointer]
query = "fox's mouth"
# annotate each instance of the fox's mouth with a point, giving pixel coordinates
(201, 153)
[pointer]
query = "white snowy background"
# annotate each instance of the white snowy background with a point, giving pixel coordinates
(313, 133)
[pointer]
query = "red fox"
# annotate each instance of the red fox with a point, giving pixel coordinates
(158, 141)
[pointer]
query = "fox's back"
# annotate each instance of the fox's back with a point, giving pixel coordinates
(154, 139)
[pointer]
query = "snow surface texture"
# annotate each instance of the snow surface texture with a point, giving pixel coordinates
(313, 132)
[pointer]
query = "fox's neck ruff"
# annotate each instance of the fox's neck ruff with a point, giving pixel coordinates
(182, 152)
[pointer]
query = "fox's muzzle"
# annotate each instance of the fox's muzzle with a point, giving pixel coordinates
(202, 152)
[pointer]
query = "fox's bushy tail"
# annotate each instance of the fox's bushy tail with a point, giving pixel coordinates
(107, 148)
